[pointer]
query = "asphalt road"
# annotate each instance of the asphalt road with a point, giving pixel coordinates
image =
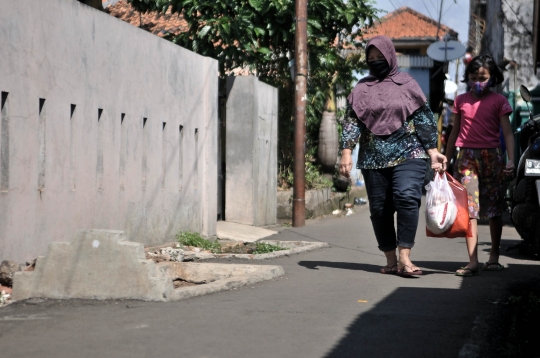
(330, 303)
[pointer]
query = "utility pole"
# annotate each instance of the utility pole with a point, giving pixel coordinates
(457, 77)
(439, 22)
(300, 100)
(493, 40)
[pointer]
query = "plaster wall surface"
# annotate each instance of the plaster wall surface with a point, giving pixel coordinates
(251, 152)
(518, 44)
(103, 126)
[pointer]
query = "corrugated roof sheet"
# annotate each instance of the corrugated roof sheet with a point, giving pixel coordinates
(411, 61)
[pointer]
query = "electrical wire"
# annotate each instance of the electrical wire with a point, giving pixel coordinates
(518, 18)
(462, 9)
(429, 13)
(435, 7)
(448, 8)
(439, 19)
(392, 3)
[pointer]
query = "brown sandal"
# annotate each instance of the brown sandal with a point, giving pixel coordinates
(388, 270)
(404, 272)
(467, 271)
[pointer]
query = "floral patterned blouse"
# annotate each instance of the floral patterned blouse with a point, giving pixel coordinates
(418, 134)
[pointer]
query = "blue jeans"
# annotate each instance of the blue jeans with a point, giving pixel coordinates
(395, 190)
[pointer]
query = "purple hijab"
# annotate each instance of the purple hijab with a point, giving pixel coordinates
(384, 105)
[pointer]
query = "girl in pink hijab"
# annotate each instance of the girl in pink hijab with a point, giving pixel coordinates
(388, 116)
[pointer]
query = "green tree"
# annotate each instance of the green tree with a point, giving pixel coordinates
(259, 34)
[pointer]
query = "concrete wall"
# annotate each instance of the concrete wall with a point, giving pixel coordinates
(518, 44)
(103, 126)
(251, 152)
(319, 202)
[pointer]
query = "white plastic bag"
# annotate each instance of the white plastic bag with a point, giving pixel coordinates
(441, 209)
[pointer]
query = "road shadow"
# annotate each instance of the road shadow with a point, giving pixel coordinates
(428, 267)
(410, 322)
(431, 322)
(508, 249)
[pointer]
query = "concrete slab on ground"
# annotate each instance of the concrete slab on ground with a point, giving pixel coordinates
(96, 264)
(101, 264)
(238, 232)
(212, 277)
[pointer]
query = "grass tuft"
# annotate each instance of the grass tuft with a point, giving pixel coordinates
(264, 248)
(195, 239)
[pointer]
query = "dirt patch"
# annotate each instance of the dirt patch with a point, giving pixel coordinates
(179, 253)
(260, 250)
(247, 248)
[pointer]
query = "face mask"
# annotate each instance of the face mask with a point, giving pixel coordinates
(379, 68)
(479, 87)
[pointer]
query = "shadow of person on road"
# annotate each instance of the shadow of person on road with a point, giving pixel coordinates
(428, 267)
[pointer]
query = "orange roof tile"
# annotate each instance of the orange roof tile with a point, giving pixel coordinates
(159, 24)
(155, 22)
(407, 24)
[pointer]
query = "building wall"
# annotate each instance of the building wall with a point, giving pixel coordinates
(103, 126)
(518, 44)
(251, 152)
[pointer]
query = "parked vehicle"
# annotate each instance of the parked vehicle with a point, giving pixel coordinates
(523, 193)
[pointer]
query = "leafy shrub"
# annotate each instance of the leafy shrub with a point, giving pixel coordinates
(313, 178)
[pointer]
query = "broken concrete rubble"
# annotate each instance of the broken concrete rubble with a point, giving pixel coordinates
(195, 254)
(166, 254)
(5, 297)
(7, 270)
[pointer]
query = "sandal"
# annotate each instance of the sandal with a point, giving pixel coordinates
(388, 270)
(405, 273)
(467, 271)
(492, 266)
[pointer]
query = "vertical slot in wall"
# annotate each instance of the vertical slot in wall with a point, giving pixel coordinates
(180, 156)
(99, 164)
(163, 155)
(196, 164)
(4, 142)
(123, 150)
(72, 149)
(42, 126)
(144, 154)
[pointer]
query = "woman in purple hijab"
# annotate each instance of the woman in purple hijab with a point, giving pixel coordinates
(388, 116)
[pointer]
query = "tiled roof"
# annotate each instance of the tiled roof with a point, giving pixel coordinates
(407, 24)
(157, 23)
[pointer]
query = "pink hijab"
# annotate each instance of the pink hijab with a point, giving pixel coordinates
(383, 105)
